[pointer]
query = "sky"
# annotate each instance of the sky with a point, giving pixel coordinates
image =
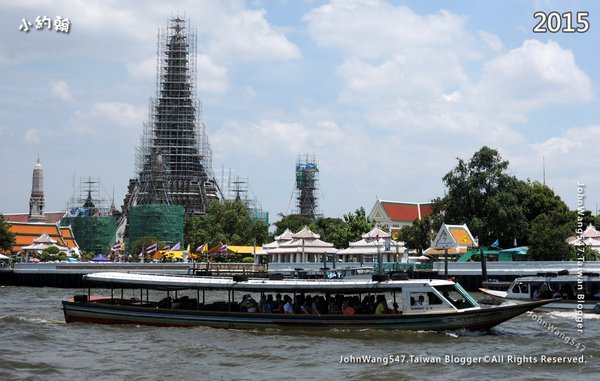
(385, 94)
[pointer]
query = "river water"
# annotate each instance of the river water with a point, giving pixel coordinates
(36, 344)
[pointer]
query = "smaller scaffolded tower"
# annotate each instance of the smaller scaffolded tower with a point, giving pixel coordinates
(307, 185)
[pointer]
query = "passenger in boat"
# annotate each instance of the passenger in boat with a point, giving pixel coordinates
(316, 305)
(420, 301)
(349, 309)
(536, 293)
(306, 308)
(165, 302)
(263, 304)
(288, 307)
(567, 293)
(269, 304)
(394, 309)
(334, 308)
(278, 304)
(381, 307)
(248, 304)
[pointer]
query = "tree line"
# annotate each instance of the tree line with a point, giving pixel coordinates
(480, 192)
(497, 206)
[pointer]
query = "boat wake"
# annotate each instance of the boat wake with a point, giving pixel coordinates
(572, 314)
(28, 320)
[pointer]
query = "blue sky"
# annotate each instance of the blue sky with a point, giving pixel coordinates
(385, 94)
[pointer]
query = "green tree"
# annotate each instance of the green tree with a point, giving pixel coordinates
(543, 207)
(294, 222)
(548, 238)
(416, 236)
(358, 224)
(49, 254)
(588, 219)
(225, 222)
(482, 195)
(333, 230)
(7, 238)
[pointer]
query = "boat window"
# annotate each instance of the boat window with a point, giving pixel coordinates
(433, 298)
(457, 296)
(520, 288)
(418, 299)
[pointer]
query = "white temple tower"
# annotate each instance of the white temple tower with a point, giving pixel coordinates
(36, 201)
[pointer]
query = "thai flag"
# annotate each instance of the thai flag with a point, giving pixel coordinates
(222, 248)
(177, 246)
(116, 247)
(151, 249)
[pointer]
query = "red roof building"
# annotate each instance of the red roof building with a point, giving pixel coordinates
(393, 215)
(49, 217)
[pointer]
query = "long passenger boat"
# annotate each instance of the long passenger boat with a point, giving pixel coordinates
(570, 291)
(337, 304)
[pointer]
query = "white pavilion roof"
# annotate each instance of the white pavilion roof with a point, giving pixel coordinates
(44, 238)
(304, 241)
(590, 232)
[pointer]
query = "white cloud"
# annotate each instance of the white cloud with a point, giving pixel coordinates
(212, 78)
(247, 36)
(60, 90)
(108, 117)
(32, 136)
(143, 70)
(428, 76)
(569, 159)
(556, 146)
(575, 144)
(534, 75)
(372, 29)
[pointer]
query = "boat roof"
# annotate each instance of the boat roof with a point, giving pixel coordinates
(167, 282)
(553, 278)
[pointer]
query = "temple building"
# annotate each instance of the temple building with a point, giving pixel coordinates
(393, 215)
(28, 227)
(36, 201)
(174, 160)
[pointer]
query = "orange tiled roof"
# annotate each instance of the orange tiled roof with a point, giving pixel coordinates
(461, 236)
(398, 211)
(25, 233)
(67, 236)
(454, 250)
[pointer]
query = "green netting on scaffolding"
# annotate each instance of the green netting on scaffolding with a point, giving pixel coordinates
(259, 215)
(96, 234)
(164, 222)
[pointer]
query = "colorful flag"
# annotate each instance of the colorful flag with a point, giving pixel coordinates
(188, 248)
(222, 248)
(116, 247)
(151, 249)
(204, 248)
(177, 246)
